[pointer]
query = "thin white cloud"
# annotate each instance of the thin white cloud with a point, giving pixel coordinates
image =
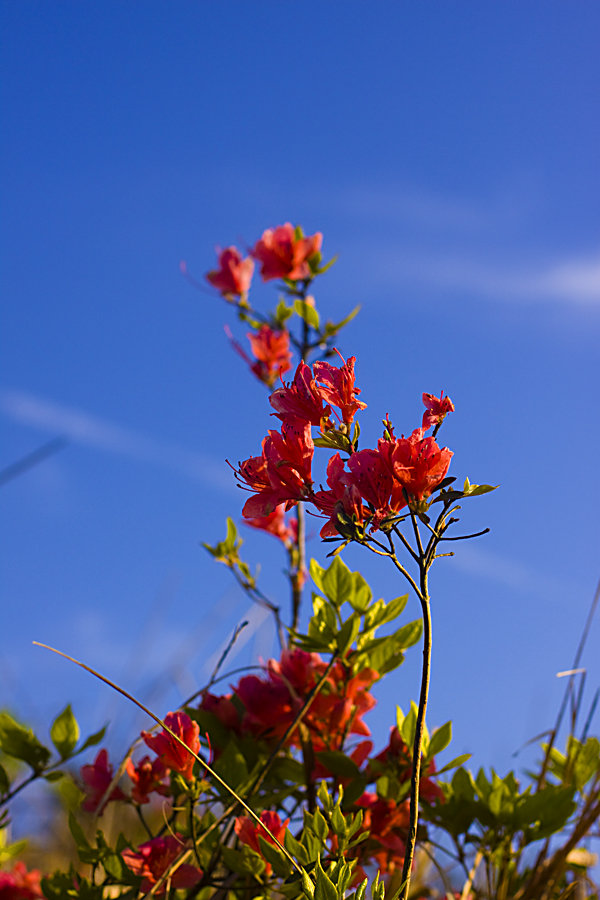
(413, 206)
(511, 573)
(572, 281)
(92, 431)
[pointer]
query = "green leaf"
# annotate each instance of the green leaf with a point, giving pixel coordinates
(474, 490)
(81, 842)
(308, 313)
(362, 594)
(324, 888)
(380, 613)
(457, 761)
(347, 633)
(243, 861)
(317, 573)
(4, 782)
(440, 739)
(338, 763)
(338, 583)
(272, 853)
(54, 776)
(332, 328)
(21, 742)
(307, 885)
(295, 848)
(65, 732)
(93, 739)
(408, 634)
(283, 312)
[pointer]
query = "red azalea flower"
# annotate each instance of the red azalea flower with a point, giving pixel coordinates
(152, 859)
(172, 754)
(96, 780)
(302, 399)
(436, 409)
(148, 778)
(223, 708)
(272, 702)
(234, 274)
(338, 386)
(418, 464)
(387, 825)
(248, 830)
(371, 474)
(276, 525)
(398, 757)
(272, 354)
(343, 496)
(286, 462)
(19, 884)
(282, 255)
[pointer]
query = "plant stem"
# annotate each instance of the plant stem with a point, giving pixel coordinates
(418, 742)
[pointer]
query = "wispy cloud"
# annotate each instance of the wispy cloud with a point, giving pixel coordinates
(573, 281)
(513, 574)
(84, 428)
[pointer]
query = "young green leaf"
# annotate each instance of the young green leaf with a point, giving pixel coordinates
(65, 732)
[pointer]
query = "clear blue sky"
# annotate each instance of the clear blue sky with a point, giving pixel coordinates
(449, 155)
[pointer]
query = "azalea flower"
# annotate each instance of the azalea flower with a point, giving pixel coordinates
(436, 409)
(272, 354)
(337, 386)
(343, 496)
(301, 399)
(283, 473)
(96, 781)
(372, 476)
(148, 777)
(234, 274)
(248, 831)
(283, 255)
(418, 464)
(171, 753)
(276, 525)
(19, 884)
(152, 859)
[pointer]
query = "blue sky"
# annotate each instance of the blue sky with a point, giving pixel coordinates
(449, 156)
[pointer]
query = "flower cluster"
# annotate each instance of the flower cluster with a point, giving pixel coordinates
(20, 884)
(152, 859)
(269, 704)
(372, 486)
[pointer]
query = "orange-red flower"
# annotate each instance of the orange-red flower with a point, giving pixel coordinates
(271, 703)
(172, 754)
(302, 399)
(234, 274)
(248, 831)
(19, 884)
(283, 473)
(96, 780)
(387, 824)
(276, 525)
(342, 496)
(272, 354)
(418, 464)
(337, 386)
(147, 777)
(152, 859)
(372, 475)
(436, 409)
(282, 254)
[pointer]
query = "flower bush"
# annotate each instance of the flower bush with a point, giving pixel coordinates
(274, 787)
